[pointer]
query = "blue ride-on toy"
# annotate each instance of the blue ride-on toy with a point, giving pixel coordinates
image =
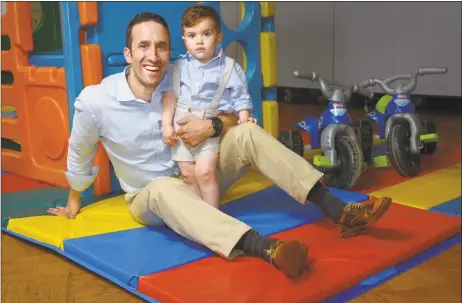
(341, 158)
(407, 135)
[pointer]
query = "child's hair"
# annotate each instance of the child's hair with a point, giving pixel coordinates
(197, 13)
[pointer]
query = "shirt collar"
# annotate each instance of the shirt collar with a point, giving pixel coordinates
(217, 60)
(123, 90)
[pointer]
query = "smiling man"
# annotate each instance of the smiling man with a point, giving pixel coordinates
(124, 112)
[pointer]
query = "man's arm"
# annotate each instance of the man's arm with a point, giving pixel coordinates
(194, 131)
(82, 148)
(229, 121)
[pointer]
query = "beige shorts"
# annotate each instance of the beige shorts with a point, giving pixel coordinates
(183, 152)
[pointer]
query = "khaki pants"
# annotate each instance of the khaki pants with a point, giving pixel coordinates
(169, 201)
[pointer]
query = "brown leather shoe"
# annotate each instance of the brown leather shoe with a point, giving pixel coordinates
(289, 257)
(357, 217)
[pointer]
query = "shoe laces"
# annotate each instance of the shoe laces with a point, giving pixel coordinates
(355, 207)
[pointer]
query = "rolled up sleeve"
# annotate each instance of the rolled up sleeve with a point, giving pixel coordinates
(240, 97)
(85, 134)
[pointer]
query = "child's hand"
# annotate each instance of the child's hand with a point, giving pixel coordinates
(244, 117)
(169, 135)
(252, 120)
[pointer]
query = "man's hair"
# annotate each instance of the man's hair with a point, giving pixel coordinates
(197, 13)
(141, 18)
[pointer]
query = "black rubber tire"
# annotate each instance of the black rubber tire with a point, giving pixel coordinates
(363, 128)
(402, 160)
(428, 128)
(350, 167)
(293, 140)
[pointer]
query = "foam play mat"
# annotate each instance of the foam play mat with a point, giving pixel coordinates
(423, 221)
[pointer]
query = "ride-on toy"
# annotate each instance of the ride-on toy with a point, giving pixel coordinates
(407, 135)
(342, 160)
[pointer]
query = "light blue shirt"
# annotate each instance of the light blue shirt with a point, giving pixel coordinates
(129, 129)
(199, 82)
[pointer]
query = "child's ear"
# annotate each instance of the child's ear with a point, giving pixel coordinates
(220, 37)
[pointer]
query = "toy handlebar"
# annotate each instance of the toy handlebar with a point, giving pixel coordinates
(404, 89)
(362, 91)
(325, 89)
(432, 70)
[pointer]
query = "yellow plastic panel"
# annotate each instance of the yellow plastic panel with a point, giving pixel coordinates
(426, 191)
(270, 117)
(268, 59)
(106, 216)
(267, 9)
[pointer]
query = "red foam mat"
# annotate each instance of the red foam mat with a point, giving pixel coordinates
(13, 183)
(336, 264)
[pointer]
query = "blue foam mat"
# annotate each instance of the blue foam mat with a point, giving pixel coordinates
(84, 264)
(268, 211)
(452, 207)
(388, 274)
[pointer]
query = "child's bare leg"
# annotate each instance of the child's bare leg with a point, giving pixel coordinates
(189, 177)
(206, 175)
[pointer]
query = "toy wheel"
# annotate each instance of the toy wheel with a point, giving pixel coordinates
(350, 164)
(430, 147)
(365, 134)
(403, 160)
(292, 139)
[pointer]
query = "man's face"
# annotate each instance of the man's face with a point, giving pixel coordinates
(150, 53)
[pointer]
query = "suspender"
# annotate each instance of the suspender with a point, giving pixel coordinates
(229, 64)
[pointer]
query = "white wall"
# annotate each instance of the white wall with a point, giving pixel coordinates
(352, 41)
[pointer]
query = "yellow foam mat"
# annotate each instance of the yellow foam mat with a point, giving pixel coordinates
(105, 216)
(8, 108)
(251, 183)
(426, 191)
(109, 215)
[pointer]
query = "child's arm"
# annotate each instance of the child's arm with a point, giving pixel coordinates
(168, 110)
(244, 116)
(240, 97)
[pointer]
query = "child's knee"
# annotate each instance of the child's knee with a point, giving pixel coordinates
(205, 174)
(188, 175)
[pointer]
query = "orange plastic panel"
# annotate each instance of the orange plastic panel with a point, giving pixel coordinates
(88, 12)
(92, 66)
(10, 129)
(92, 73)
(39, 96)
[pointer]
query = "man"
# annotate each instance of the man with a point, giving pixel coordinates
(124, 113)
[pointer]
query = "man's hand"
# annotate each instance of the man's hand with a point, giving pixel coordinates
(169, 135)
(72, 208)
(194, 131)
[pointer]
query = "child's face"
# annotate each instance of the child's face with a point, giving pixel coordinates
(202, 39)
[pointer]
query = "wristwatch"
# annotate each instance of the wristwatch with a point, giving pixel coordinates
(217, 125)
